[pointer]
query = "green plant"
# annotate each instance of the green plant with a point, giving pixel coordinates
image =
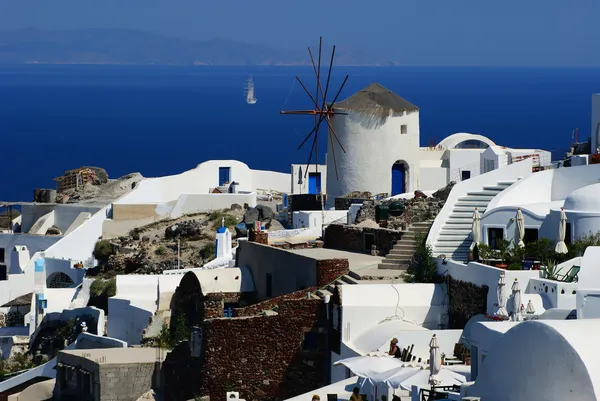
(208, 251)
(551, 270)
(216, 218)
(100, 291)
(485, 252)
(515, 266)
(103, 250)
(422, 268)
(160, 251)
(171, 335)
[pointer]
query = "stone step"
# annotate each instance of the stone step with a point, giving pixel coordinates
(423, 223)
(476, 198)
(354, 275)
(393, 266)
(350, 280)
(505, 183)
(404, 246)
(459, 220)
(483, 193)
(443, 239)
(469, 209)
(494, 188)
(455, 231)
(472, 204)
(419, 229)
(401, 252)
(396, 257)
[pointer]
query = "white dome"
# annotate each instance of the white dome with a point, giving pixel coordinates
(455, 140)
(584, 199)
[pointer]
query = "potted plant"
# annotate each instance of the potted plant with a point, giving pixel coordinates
(78, 265)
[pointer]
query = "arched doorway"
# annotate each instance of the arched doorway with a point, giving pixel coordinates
(399, 178)
(59, 280)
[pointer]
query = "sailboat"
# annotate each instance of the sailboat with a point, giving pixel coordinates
(250, 99)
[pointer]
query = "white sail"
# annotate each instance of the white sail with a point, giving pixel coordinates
(250, 99)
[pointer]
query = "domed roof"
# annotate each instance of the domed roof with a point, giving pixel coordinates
(584, 199)
(455, 140)
(377, 100)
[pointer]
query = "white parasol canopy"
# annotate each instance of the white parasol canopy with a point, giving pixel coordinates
(530, 308)
(476, 229)
(501, 292)
(520, 228)
(516, 293)
(561, 247)
(407, 377)
(369, 366)
(435, 361)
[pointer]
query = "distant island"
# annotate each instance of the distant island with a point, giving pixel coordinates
(121, 46)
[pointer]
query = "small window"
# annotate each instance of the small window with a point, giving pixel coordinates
(568, 234)
(228, 309)
(495, 235)
(531, 235)
(404, 129)
(3, 273)
(1, 255)
(312, 341)
(369, 241)
(269, 285)
(465, 175)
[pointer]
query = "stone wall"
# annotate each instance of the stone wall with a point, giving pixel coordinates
(125, 381)
(350, 238)
(262, 237)
(214, 304)
(344, 203)
(256, 309)
(329, 270)
(465, 300)
(262, 357)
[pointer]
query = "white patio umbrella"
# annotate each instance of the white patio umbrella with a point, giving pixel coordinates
(520, 230)
(530, 308)
(561, 247)
(476, 228)
(368, 366)
(501, 293)
(435, 360)
(516, 293)
(407, 377)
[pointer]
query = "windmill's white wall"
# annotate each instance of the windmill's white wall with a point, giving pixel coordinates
(372, 145)
(595, 132)
(300, 183)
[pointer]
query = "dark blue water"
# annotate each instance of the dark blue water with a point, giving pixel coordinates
(164, 120)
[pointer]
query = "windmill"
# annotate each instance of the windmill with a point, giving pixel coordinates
(322, 111)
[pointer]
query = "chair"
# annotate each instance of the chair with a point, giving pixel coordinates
(571, 276)
(527, 264)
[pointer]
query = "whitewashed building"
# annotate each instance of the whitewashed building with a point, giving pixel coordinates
(381, 137)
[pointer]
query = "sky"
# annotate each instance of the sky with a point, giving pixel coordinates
(411, 32)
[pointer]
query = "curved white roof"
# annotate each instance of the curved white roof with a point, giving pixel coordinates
(584, 199)
(235, 279)
(542, 360)
(453, 140)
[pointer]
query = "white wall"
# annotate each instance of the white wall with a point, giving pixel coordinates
(201, 179)
(130, 310)
(432, 178)
(463, 160)
(501, 218)
(372, 147)
(366, 305)
(595, 132)
(300, 183)
(314, 219)
(34, 243)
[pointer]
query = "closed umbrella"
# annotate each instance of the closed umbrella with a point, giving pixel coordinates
(530, 308)
(435, 361)
(561, 247)
(501, 293)
(476, 229)
(520, 231)
(516, 293)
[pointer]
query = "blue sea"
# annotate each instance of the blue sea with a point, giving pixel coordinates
(164, 120)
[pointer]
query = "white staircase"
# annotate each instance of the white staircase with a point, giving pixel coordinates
(454, 239)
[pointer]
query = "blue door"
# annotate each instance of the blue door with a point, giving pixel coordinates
(314, 183)
(398, 179)
(224, 175)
